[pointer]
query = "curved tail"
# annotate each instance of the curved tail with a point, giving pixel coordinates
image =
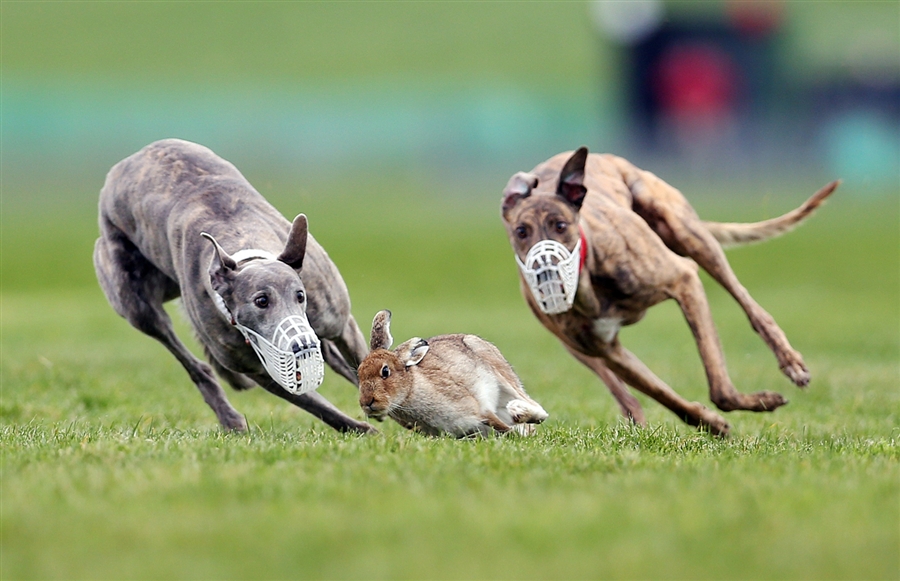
(736, 234)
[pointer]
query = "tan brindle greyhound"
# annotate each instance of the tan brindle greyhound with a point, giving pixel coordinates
(600, 241)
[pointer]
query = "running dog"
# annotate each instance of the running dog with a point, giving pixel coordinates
(599, 241)
(270, 311)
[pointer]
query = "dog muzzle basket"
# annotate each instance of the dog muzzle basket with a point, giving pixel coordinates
(551, 272)
(293, 358)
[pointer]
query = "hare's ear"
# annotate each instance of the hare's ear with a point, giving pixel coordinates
(381, 331)
(221, 269)
(417, 352)
(295, 249)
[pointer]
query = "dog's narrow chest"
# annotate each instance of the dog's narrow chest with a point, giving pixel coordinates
(606, 328)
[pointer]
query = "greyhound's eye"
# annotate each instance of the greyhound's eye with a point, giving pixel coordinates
(262, 301)
(385, 371)
(561, 226)
(301, 296)
(522, 232)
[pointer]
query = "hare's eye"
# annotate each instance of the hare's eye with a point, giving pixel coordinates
(301, 296)
(522, 232)
(262, 301)
(385, 371)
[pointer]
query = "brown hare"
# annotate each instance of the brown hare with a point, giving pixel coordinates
(455, 384)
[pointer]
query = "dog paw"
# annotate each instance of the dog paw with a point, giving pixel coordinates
(361, 428)
(763, 401)
(714, 423)
(791, 364)
(767, 401)
(234, 422)
(797, 372)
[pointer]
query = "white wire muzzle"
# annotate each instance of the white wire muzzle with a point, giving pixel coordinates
(293, 358)
(551, 273)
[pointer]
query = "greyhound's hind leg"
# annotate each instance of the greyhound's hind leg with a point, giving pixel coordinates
(672, 218)
(136, 290)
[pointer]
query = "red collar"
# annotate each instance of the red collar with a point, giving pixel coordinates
(583, 249)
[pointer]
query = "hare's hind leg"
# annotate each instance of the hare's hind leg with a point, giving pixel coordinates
(512, 397)
(491, 420)
(526, 412)
(523, 429)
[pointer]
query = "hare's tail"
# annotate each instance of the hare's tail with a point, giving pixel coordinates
(737, 234)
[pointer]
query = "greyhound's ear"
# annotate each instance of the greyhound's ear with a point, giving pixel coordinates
(518, 188)
(417, 352)
(571, 178)
(295, 249)
(221, 269)
(381, 331)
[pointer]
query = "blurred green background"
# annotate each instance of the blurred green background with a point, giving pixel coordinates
(435, 90)
(424, 99)
(394, 126)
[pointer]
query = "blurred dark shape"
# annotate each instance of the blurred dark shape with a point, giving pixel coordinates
(702, 84)
(858, 129)
(743, 85)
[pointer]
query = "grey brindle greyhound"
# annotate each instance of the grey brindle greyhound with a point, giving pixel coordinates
(167, 214)
(626, 240)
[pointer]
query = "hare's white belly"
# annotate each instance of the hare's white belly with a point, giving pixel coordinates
(486, 390)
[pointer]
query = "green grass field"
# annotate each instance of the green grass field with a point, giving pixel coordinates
(113, 467)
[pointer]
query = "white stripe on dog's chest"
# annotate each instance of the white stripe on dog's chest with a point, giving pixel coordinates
(606, 328)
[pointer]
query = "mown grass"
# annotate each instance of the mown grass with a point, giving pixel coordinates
(112, 466)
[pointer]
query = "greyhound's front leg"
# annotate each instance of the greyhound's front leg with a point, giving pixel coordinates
(352, 344)
(336, 361)
(317, 405)
(633, 372)
(323, 409)
(628, 404)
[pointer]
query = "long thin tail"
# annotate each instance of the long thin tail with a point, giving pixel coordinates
(736, 234)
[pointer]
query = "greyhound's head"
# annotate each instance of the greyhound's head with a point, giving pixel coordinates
(542, 225)
(264, 298)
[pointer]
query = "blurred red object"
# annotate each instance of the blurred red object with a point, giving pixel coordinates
(696, 80)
